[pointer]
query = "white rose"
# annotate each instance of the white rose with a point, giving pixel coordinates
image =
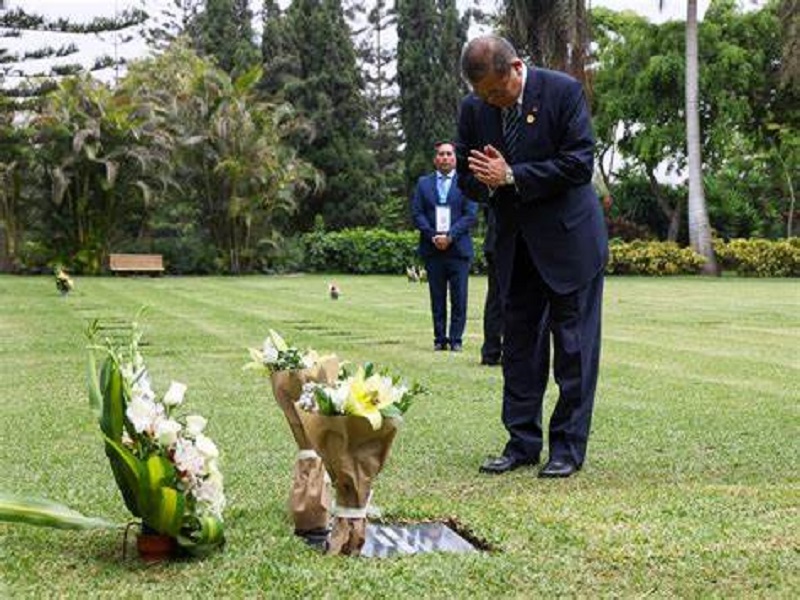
(143, 413)
(174, 395)
(195, 424)
(206, 447)
(167, 431)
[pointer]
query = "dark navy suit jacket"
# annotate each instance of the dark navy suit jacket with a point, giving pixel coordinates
(552, 204)
(463, 213)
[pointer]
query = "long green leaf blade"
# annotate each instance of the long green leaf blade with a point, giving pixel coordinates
(113, 401)
(93, 385)
(45, 513)
(126, 468)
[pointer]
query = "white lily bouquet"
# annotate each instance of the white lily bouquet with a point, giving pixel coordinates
(352, 423)
(165, 465)
(289, 370)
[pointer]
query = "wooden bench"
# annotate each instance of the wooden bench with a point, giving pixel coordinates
(136, 263)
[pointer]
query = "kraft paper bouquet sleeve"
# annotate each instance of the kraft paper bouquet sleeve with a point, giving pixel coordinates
(352, 425)
(289, 370)
(354, 453)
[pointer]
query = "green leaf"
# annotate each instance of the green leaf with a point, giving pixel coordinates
(111, 420)
(44, 513)
(165, 509)
(126, 468)
(93, 385)
(202, 535)
(161, 504)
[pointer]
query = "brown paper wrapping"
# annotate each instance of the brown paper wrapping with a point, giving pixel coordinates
(310, 495)
(287, 387)
(354, 454)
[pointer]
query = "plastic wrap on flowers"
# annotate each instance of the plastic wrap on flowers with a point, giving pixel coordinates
(354, 453)
(309, 497)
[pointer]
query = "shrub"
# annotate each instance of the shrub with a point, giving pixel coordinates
(360, 251)
(759, 257)
(652, 258)
(370, 251)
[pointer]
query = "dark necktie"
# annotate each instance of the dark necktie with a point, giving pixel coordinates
(512, 131)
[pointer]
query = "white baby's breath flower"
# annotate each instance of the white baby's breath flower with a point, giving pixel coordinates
(166, 431)
(307, 401)
(188, 458)
(210, 495)
(195, 424)
(174, 395)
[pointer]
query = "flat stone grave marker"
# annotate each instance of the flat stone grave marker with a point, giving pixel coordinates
(391, 539)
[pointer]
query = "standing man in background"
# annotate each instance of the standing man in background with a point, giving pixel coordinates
(444, 217)
(526, 146)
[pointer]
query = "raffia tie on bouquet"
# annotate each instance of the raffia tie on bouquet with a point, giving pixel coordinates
(354, 454)
(310, 496)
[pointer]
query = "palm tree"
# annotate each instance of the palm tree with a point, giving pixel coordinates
(699, 228)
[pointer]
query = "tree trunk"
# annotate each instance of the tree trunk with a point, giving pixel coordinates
(672, 214)
(699, 229)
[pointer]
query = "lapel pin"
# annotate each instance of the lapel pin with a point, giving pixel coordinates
(530, 119)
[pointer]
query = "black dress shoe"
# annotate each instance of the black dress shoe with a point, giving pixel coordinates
(503, 464)
(455, 348)
(558, 469)
(439, 347)
(491, 362)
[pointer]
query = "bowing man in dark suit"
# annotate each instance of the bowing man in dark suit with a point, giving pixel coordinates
(526, 147)
(444, 216)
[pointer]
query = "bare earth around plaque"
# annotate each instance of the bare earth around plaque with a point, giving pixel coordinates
(390, 539)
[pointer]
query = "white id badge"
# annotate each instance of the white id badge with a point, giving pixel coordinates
(442, 219)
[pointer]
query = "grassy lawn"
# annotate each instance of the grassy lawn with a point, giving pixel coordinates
(690, 488)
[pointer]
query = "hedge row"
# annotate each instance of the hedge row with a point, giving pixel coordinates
(389, 252)
(760, 258)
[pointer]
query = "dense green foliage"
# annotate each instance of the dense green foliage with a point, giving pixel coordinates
(226, 32)
(749, 120)
(223, 169)
(178, 158)
(677, 497)
(360, 251)
(324, 84)
(761, 258)
(430, 36)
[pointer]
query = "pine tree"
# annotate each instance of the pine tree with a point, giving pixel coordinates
(278, 57)
(225, 31)
(430, 36)
(325, 86)
(378, 62)
(172, 21)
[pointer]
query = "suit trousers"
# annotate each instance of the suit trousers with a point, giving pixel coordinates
(443, 273)
(492, 348)
(574, 323)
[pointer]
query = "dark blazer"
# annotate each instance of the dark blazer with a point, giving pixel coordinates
(552, 204)
(463, 213)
